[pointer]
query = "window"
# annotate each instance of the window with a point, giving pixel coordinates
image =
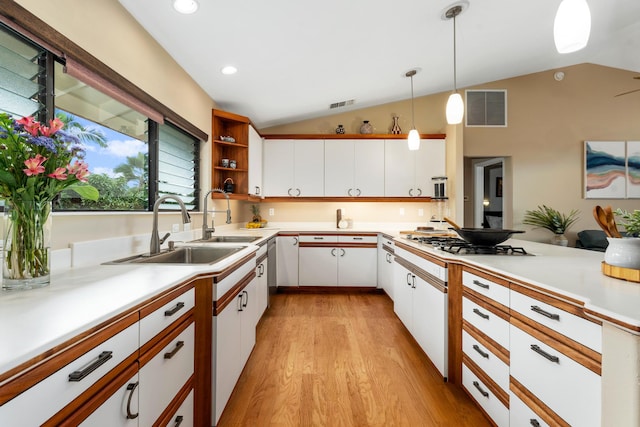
(133, 160)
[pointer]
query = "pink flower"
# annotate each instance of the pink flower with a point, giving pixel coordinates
(59, 174)
(34, 165)
(80, 169)
(54, 126)
(29, 125)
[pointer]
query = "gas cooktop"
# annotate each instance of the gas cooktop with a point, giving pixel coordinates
(458, 246)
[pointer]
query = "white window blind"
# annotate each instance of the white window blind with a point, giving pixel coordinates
(177, 166)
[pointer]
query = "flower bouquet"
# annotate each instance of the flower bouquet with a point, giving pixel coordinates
(37, 163)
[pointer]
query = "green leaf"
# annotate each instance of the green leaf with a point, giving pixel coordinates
(85, 191)
(7, 178)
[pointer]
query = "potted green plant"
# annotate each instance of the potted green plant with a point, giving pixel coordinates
(552, 220)
(625, 251)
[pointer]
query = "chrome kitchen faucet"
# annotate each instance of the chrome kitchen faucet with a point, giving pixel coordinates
(156, 241)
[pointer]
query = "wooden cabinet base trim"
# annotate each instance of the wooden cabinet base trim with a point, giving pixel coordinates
(328, 289)
(585, 356)
(502, 395)
(497, 349)
(536, 405)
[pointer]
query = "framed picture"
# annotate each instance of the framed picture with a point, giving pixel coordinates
(498, 186)
(605, 174)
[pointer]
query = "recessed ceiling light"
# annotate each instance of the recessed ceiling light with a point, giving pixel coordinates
(185, 6)
(229, 69)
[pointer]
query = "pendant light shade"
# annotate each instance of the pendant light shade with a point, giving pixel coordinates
(572, 26)
(455, 106)
(455, 109)
(413, 139)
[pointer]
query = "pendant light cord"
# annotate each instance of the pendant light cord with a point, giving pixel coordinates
(413, 122)
(455, 73)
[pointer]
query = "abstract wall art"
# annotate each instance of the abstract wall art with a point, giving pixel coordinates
(612, 169)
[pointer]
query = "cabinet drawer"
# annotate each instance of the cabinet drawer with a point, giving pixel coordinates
(113, 412)
(424, 264)
(552, 377)
(151, 325)
(521, 415)
(569, 325)
(486, 360)
(184, 415)
(318, 239)
(488, 322)
(486, 287)
(57, 390)
(358, 239)
(386, 241)
(164, 375)
(485, 398)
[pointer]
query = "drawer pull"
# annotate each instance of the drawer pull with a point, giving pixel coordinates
(357, 238)
(333, 252)
(480, 352)
(534, 422)
(318, 238)
(130, 388)
(481, 314)
(246, 300)
(482, 392)
(538, 310)
(178, 421)
(480, 284)
(179, 306)
(541, 352)
(173, 352)
(95, 364)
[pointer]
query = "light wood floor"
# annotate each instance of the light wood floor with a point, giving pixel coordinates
(342, 360)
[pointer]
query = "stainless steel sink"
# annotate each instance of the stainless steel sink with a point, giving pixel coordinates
(183, 255)
(229, 239)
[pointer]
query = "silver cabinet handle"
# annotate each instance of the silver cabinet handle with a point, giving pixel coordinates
(534, 422)
(173, 352)
(343, 252)
(480, 284)
(482, 392)
(295, 241)
(419, 192)
(408, 279)
(257, 190)
(289, 191)
(480, 352)
(246, 300)
(541, 352)
(131, 388)
(359, 192)
(333, 252)
(349, 192)
(411, 192)
(318, 238)
(538, 310)
(299, 192)
(481, 314)
(102, 358)
(178, 421)
(240, 306)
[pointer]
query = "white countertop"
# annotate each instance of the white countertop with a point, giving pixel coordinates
(575, 273)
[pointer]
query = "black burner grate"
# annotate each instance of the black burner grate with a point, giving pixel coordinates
(458, 246)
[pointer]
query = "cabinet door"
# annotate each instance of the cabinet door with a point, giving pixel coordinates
(309, 168)
(262, 290)
(278, 176)
(385, 271)
(319, 266)
(403, 295)
(184, 415)
(399, 169)
(357, 266)
(113, 412)
(339, 167)
(227, 355)
(430, 322)
(249, 309)
(255, 162)
(430, 162)
(287, 260)
(368, 168)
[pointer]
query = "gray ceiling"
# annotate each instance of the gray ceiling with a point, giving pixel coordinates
(296, 57)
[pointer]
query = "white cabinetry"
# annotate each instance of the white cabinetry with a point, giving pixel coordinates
(293, 168)
(337, 260)
(113, 412)
(255, 162)
(420, 301)
(409, 173)
(287, 260)
(353, 168)
(262, 286)
(385, 264)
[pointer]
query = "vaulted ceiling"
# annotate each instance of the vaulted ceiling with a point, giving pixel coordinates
(295, 58)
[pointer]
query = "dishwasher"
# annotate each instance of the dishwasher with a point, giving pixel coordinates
(271, 268)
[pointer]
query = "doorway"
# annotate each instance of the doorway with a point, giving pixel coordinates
(486, 185)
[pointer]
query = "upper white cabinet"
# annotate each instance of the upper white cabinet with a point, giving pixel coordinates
(293, 168)
(408, 173)
(354, 168)
(255, 163)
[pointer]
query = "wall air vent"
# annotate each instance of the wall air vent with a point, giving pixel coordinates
(486, 108)
(341, 104)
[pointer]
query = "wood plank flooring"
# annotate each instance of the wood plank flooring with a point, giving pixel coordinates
(342, 360)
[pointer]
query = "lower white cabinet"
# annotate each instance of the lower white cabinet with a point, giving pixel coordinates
(385, 265)
(184, 415)
(120, 410)
(482, 394)
(521, 415)
(262, 289)
(287, 260)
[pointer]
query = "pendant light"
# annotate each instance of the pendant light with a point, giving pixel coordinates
(455, 106)
(572, 26)
(414, 137)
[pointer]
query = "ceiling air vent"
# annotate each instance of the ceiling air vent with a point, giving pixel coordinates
(341, 104)
(486, 108)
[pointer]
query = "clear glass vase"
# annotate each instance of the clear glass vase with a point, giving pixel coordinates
(26, 254)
